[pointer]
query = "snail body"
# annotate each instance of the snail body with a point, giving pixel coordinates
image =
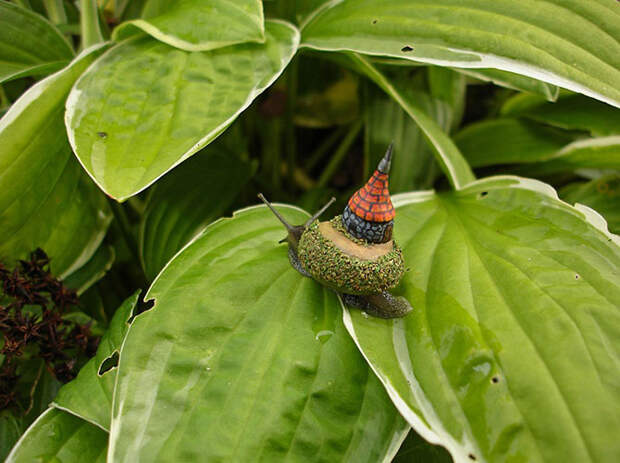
(354, 253)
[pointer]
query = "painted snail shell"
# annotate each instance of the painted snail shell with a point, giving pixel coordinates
(354, 253)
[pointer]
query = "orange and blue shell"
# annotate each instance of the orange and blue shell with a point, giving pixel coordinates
(369, 214)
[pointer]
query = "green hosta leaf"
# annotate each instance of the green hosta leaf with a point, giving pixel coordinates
(29, 44)
(198, 25)
(187, 200)
(89, 395)
(92, 271)
(511, 352)
(243, 359)
(57, 436)
(502, 78)
(145, 107)
(46, 200)
(572, 44)
(446, 153)
(602, 195)
(593, 153)
(507, 141)
(515, 81)
(571, 112)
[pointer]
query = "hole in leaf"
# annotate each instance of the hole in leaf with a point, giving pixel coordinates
(406, 49)
(108, 364)
(374, 21)
(472, 456)
(576, 276)
(495, 379)
(482, 194)
(102, 134)
(141, 307)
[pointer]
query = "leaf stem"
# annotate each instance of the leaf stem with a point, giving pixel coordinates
(340, 153)
(55, 11)
(450, 159)
(119, 8)
(89, 20)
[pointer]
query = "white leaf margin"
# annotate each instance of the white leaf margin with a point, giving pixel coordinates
(146, 26)
(397, 439)
(22, 104)
(11, 456)
(434, 432)
(477, 61)
(74, 96)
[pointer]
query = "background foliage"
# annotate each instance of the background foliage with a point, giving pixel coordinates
(135, 136)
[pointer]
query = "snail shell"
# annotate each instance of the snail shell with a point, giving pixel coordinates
(354, 253)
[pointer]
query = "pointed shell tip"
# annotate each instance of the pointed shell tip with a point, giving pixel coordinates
(386, 162)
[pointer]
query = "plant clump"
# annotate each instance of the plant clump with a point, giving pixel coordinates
(32, 309)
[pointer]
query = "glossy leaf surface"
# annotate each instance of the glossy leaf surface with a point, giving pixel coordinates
(58, 436)
(145, 106)
(243, 359)
(515, 81)
(199, 25)
(29, 44)
(572, 44)
(511, 351)
(46, 200)
(187, 200)
(89, 395)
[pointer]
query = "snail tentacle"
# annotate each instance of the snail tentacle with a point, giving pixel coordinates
(318, 214)
(354, 254)
(287, 225)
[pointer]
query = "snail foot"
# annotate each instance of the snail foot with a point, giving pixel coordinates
(294, 260)
(382, 305)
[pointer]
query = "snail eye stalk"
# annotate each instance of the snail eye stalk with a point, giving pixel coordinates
(287, 225)
(318, 214)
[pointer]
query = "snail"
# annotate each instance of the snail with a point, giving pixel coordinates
(353, 253)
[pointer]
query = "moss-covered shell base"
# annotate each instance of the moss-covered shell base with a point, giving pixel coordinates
(345, 273)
